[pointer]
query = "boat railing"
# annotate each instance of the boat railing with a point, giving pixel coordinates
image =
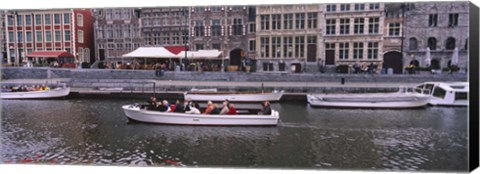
(405, 89)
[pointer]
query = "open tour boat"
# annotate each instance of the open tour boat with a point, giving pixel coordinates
(395, 100)
(51, 93)
(446, 93)
(234, 96)
(247, 118)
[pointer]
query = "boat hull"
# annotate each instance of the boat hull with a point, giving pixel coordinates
(53, 93)
(257, 97)
(142, 115)
(373, 101)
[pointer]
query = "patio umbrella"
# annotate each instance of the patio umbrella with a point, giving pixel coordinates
(454, 60)
(428, 57)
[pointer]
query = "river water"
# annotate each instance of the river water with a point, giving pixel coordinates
(95, 131)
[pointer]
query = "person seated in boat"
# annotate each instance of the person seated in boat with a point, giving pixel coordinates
(186, 105)
(173, 106)
(44, 88)
(232, 110)
(179, 107)
(209, 108)
(31, 88)
(224, 107)
(151, 103)
(194, 109)
(163, 106)
(6, 89)
(266, 110)
(215, 110)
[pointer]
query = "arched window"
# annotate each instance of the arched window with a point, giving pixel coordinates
(450, 43)
(413, 44)
(432, 43)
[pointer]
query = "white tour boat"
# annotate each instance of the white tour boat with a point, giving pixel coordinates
(446, 93)
(137, 113)
(234, 96)
(51, 93)
(395, 100)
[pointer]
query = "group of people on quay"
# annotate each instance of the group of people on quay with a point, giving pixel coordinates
(25, 88)
(190, 107)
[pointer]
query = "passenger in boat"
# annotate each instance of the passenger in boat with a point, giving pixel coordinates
(179, 108)
(266, 109)
(173, 106)
(163, 107)
(37, 88)
(232, 110)
(6, 89)
(225, 108)
(209, 108)
(194, 109)
(186, 105)
(215, 110)
(152, 103)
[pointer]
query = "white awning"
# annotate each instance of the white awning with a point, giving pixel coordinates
(150, 52)
(201, 54)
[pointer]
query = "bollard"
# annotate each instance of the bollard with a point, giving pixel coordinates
(343, 80)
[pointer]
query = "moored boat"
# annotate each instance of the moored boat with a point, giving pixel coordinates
(250, 118)
(446, 93)
(40, 94)
(234, 96)
(395, 100)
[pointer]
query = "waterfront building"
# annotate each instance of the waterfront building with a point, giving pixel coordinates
(164, 26)
(117, 32)
(393, 37)
(289, 37)
(353, 32)
(224, 28)
(69, 30)
(3, 51)
(440, 26)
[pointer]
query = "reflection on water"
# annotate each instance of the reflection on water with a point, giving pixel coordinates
(96, 132)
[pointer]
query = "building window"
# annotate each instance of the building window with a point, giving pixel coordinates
(56, 19)
(288, 21)
(19, 20)
(374, 6)
(432, 20)
(58, 36)
(300, 20)
(199, 9)
(288, 46)
(38, 19)
(276, 47)
(413, 44)
(28, 20)
(331, 7)
(358, 25)
(359, 7)
(217, 46)
(252, 28)
(48, 19)
(432, 43)
(80, 36)
(373, 24)
(80, 20)
(48, 36)
(66, 18)
(343, 50)
(331, 26)
(299, 46)
(126, 31)
(216, 27)
(237, 27)
(19, 36)
(372, 50)
(199, 46)
(67, 35)
(357, 50)
(252, 45)
(39, 35)
(453, 19)
(199, 28)
(450, 43)
(344, 7)
(264, 47)
(312, 20)
(276, 21)
(10, 21)
(394, 29)
(215, 8)
(11, 36)
(28, 36)
(264, 22)
(344, 26)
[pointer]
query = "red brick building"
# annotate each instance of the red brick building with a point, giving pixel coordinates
(69, 30)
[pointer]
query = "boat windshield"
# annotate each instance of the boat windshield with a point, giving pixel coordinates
(439, 92)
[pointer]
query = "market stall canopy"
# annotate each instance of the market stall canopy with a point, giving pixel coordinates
(150, 52)
(55, 54)
(201, 54)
